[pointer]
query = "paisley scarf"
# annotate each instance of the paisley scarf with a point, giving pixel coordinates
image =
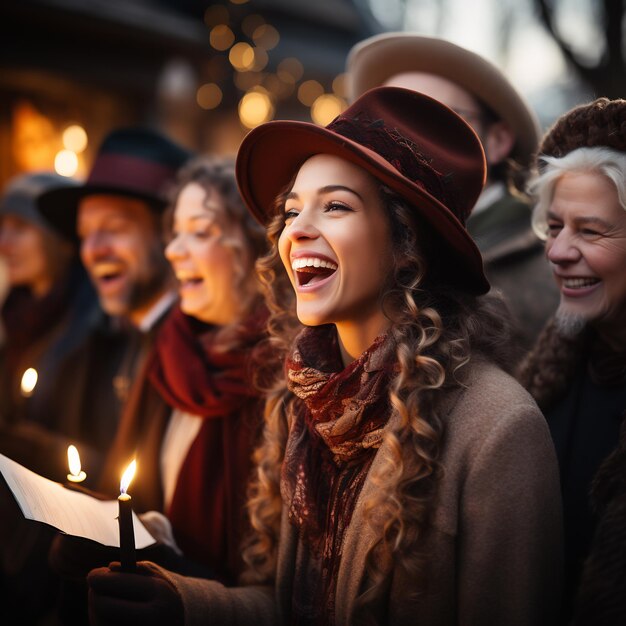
(339, 427)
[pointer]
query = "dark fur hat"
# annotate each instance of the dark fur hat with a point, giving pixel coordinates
(599, 123)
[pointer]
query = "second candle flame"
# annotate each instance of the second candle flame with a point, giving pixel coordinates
(73, 460)
(127, 476)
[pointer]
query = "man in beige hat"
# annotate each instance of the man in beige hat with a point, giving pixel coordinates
(481, 94)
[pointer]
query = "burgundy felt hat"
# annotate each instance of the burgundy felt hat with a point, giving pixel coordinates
(134, 162)
(416, 146)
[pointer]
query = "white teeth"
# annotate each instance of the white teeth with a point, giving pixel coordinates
(579, 283)
(297, 264)
(106, 269)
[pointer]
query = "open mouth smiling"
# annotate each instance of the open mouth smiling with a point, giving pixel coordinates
(107, 272)
(310, 271)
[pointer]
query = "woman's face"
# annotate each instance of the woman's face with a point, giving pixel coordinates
(202, 259)
(28, 252)
(336, 244)
(587, 249)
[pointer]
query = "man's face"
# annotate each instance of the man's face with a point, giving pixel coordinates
(122, 250)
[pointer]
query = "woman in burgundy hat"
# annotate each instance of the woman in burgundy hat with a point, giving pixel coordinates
(403, 478)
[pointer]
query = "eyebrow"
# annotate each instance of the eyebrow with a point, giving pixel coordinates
(582, 220)
(328, 189)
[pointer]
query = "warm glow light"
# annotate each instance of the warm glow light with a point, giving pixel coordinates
(255, 108)
(221, 37)
(290, 70)
(250, 23)
(309, 91)
(241, 56)
(127, 476)
(29, 381)
(326, 108)
(266, 36)
(209, 96)
(75, 138)
(247, 80)
(73, 460)
(239, 1)
(260, 59)
(66, 163)
(339, 85)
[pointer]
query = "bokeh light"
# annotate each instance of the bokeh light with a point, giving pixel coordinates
(75, 138)
(290, 70)
(340, 85)
(255, 108)
(326, 108)
(66, 163)
(266, 36)
(209, 96)
(221, 37)
(250, 23)
(309, 91)
(241, 56)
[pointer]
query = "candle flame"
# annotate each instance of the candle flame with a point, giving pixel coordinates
(127, 476)
(73, 459)
(29, 381)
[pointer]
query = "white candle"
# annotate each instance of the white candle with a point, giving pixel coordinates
(125, 519)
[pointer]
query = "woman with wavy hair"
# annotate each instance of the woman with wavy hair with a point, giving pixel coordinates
(403, 477)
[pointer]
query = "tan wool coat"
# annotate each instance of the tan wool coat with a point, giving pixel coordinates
(495, 540)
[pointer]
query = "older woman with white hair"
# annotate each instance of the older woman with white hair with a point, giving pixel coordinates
(577, 370)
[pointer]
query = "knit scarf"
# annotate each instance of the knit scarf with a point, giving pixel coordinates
(191, 371)
(339, 427)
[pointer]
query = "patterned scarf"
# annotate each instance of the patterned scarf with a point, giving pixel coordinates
(338, 430)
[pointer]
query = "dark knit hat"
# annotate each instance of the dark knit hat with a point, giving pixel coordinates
(599, 123)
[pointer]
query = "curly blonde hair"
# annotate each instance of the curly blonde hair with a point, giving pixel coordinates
(435, 328)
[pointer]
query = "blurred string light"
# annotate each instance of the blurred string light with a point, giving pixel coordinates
(241, 56)
(255, 108)
(209, 96)
(221, 37)
(326, 108)
(309, 91)
(290, 70)
(340, 86)
(250, 23)
(75, 138)
(66, 163)
(265, 36)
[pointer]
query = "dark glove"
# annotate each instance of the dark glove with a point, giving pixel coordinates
(73, 558)
(121, 599)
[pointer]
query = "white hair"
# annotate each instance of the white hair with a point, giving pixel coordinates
(606, 161)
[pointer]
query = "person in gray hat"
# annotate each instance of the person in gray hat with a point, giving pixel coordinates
(507, 127)
(48, 312)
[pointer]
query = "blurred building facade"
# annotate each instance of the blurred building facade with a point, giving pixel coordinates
(203, 72)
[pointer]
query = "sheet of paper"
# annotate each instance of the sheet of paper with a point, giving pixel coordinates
(69, 511)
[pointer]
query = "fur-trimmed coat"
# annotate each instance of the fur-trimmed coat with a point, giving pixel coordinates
(495, 539)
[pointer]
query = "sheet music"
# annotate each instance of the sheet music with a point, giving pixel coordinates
(69, 511)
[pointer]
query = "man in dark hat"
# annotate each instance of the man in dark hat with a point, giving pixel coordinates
(480, 93)
(115, 218)
(116, 215)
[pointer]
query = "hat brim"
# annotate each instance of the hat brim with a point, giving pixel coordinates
(271, 155)
(375, 60)
(60, 206)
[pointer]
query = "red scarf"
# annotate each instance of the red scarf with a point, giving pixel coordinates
(192, 372)
(338, 430)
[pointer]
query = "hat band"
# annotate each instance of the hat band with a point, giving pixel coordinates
(402, 153)
(135, 174)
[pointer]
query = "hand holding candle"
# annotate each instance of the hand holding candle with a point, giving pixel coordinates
(125, 519)
(76, 474)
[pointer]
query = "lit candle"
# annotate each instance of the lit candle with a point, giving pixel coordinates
(125, 519)
(29, 382)
(76, 474)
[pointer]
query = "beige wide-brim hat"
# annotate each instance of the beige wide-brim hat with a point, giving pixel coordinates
(373, 61)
